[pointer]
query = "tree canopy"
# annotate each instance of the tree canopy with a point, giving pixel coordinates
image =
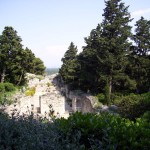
(69, 66)
(114, 59)
(16, 61)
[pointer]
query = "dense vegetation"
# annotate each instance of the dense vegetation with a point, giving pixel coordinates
(78, 132)
(6, 92)
(114, 59)
(15, 61)
(114, 65)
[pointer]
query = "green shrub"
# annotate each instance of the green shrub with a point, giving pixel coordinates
(101, 98)
(2, 88)
(106, 131)
(5, 98)
(146, 116)
(134, 105)
(6, 90)
(78, 132)
(9, 87)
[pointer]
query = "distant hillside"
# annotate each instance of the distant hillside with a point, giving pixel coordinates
(50, 71)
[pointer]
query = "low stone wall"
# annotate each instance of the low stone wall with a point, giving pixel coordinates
(81, 101)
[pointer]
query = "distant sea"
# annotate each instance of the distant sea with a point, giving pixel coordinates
(51, 71)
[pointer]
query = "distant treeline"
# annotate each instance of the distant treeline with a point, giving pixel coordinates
(51, 71)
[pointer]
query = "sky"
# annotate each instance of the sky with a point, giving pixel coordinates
(47, 27)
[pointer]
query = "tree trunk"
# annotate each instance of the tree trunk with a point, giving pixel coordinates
(3, 75)
(20, 79)
(108, 90)
(110, 85)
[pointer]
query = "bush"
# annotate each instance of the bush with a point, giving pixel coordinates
(134, 105)
(146, 116)
(48, 84)
(5, 98)
(101, 98)
(78, 132)
(30, 92)
(6, 90)
(106, 131)
(9, 87)
(2, 88)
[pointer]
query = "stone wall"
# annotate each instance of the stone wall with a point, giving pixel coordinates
(81, 101)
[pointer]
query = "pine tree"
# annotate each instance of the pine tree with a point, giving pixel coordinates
(10, 45)
(68, 68)
(142, 37)
(115, 44)
(140, 58)
(104, 58)
(15, 62)
(88, 59)
(71, 53)
(16, 71)
(39, 67)
(29, 67)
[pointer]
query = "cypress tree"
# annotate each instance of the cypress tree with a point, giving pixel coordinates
(104, 58)
(14, 60)
(115, 44)
(140, 58)
(89, 66)
(68, 68)
(10, 46)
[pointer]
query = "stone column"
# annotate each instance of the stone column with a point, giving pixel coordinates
(38, 108)
(39, 104)
(74, 104)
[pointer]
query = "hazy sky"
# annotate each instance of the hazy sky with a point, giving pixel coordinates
(48, 26)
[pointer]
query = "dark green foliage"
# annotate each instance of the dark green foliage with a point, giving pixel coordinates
(2, 88)
(110, 63)
(6, 89)
(24, 134)
(71, 53)
(106, 131)
(104, 58)
(89, 67)
(139, 69)
(68, 70)
(15, 61)
(78, 132)
(142, 37)
(114, 45)
(133, 106)
(101, 98)
(146, 116)
(9, 87)
(39, 67)
(140, 59)
(10, 46)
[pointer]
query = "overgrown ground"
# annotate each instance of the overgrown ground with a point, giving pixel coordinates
(79, 131)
